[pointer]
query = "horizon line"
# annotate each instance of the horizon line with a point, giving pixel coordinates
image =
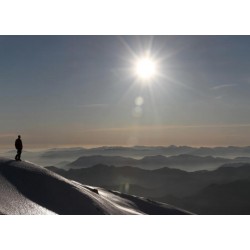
(116, 146)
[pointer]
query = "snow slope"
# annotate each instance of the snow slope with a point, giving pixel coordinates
(26, 188)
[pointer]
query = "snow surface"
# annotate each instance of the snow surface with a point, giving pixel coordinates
(26, 188)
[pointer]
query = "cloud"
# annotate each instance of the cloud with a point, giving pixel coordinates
(222, 86)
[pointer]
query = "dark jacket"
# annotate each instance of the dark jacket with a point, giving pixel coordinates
(19, 144)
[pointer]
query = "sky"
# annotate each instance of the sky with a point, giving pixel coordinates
(63, 91)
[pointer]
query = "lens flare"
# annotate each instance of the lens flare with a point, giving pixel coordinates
(139, 101)
(137, 112)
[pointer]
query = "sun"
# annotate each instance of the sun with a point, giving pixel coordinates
(145, 68)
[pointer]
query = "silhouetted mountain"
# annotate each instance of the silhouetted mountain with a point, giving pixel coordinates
(184, 162)
(174, 186)
(228, 198)
(229, 151)
(58, 155)
(164, 181)
(89, 161)
(26, 188)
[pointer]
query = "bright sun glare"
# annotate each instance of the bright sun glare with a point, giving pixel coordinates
(145, 68)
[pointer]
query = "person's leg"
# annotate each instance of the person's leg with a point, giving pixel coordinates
(16, 156)
(20, 152)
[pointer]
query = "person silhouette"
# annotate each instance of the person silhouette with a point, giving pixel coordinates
(19, 148)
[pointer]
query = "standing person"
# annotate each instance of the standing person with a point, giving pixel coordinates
(19, 148)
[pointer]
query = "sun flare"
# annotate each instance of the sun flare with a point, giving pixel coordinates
(145, 68)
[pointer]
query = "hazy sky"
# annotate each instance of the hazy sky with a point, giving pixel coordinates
(82, 90)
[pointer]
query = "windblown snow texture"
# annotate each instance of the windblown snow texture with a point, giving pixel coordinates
(26, 188)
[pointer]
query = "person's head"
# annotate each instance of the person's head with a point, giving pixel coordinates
(19, 136)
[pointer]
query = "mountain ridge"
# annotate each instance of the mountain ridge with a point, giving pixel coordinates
(183, 161)
(160, 182)
(26, 188)
(140, 151)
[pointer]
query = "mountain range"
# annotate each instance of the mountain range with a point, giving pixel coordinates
(218, 199)
(181, 188)
(184, 162)
(141, 151)
(63, 156)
